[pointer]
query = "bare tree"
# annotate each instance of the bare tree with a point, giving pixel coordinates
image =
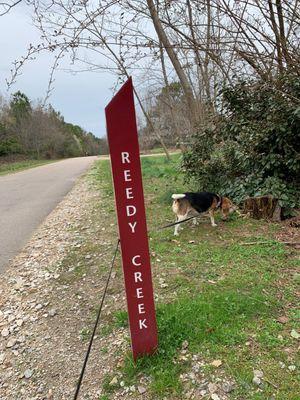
(6, 6)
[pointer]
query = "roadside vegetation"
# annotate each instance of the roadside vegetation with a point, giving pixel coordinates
(252, 147)
(9, 167)
(225, 296)
(36, 132)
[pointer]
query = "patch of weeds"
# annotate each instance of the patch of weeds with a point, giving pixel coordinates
(107, 386)
(267, 335)
(164, 377)
(72, 269)
(8, 168)
(107, 329)
(85, 334)
(78, 262)
(121, 319)
(104, 397)
(100, 175)
(295, 316)
(103, 350)
(117, 320)
(183, 282)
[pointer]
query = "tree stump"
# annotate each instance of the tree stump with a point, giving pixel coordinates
(263, 207)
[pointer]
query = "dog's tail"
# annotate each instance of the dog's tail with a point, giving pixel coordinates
(178, 196)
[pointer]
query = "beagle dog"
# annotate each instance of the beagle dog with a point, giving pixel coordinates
(188, 204)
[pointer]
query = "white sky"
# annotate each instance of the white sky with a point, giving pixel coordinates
(80, 98)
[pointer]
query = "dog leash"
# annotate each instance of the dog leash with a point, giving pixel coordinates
(78, 386)
(176, 223)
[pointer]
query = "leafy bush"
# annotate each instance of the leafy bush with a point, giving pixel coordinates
(9, 146)
(254, 147)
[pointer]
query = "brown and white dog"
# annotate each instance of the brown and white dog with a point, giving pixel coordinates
(188, 204)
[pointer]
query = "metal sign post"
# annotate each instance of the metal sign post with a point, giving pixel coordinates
(129, 198)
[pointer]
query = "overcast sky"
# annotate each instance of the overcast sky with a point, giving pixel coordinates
(80, 98)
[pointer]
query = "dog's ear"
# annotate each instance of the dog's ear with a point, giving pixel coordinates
(230, 205)
(227, 202)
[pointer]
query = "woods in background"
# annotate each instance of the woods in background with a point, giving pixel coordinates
(41, 132)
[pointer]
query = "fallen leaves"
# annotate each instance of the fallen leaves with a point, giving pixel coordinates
(282, 319)
(295, 334)
(216, 363)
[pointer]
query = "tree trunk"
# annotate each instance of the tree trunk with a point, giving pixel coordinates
(277, 36)
(166, 82)
(186, 87)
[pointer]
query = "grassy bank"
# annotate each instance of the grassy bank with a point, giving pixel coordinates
(225, 298)
(8, 168)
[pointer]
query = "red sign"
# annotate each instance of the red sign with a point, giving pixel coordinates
(127, 177)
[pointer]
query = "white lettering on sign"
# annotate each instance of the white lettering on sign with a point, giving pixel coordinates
(139, 293)
(141, 308)
(132, 226)
(129, 193)
(127, 176)
(136, 260)
(138, 277)
(142, 323)
(130, 211)
(125, 157)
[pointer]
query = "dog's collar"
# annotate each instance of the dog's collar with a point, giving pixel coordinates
(219, 204)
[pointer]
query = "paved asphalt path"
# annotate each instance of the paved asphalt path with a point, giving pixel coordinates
(27, 197)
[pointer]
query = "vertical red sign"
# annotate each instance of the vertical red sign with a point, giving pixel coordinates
(127, 177)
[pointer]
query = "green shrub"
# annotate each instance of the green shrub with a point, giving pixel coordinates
(9, 146)
(254, 147)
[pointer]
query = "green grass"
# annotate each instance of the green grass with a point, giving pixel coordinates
(158, 150)
(104, 397)
(221, 295)
(9, 168)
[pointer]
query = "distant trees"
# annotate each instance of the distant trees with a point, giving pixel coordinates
(41, 132)
(20, 106)
(168, 113)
